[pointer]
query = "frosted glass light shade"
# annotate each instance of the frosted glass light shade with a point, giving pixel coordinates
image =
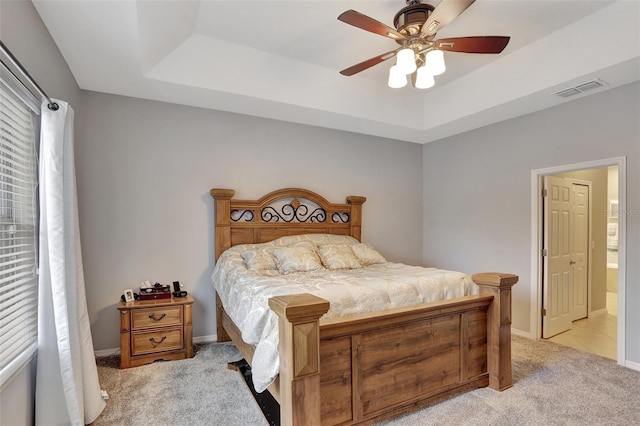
(424, 79)
(397, 78)
(406, 61)
(435, 62)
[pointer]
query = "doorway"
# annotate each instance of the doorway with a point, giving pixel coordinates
(590, 258)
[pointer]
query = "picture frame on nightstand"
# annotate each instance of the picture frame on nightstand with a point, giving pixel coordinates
(128, 295)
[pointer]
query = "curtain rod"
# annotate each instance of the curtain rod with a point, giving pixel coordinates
(51, 105)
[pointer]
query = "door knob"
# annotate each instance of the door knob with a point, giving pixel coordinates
(571, 262)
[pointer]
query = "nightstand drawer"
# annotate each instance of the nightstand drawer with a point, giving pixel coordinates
(156, 317)
(156, 341)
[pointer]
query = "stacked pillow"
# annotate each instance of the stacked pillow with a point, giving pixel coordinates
(301, 257)
(367, 255)
(307, 255)
(338, 256)
(259, 259)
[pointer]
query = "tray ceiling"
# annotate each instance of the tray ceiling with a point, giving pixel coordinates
(281, 59)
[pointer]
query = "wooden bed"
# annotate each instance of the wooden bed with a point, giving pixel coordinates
(367, 367)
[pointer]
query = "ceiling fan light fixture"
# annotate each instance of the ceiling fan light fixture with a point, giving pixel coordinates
(406, 61)
(397, 77)
(435, 62)
(424, 79)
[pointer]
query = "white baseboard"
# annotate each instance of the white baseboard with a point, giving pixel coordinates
(632, 365)
(599, 312)
(206, 339)
(115, 351)
(521, 333)
(106, 352)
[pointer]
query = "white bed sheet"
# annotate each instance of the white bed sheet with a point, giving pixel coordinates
(245, 294)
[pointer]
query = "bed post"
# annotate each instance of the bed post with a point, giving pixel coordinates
(498, 327)
(299, 351)
(356, 215)
(222, 204)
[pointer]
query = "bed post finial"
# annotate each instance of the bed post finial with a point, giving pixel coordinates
(499, 326)
(222, 201)
(356, 215)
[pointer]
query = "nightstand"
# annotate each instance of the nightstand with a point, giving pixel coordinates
(152, 330)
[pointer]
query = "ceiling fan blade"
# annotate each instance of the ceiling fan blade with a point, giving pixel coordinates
(368, 63)
(445, 12)
(479, 44)
(359, 20)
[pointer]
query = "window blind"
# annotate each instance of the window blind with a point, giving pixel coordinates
(18, 215)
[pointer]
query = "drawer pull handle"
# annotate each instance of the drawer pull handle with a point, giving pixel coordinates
(153, 340)
(153, 317)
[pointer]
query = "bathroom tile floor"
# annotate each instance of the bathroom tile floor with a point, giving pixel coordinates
(596, 335)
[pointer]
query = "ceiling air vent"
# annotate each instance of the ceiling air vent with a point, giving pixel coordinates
(590, 85)
(569, 92)
(580, 88)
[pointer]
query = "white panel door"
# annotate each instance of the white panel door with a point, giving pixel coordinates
(556, 286)
(580, 251)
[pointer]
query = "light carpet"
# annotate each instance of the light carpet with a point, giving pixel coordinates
(553, 385)
(196, 391)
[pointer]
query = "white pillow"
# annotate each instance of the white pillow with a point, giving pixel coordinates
(298, 258)
(367, 255)
(259, 259)
(338, 256)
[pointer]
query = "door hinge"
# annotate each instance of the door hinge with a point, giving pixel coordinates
(544, 192)
(543, 252)
(543, 312)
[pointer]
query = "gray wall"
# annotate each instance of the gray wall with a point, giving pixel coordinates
(477, 201)
(22, 31)
(145, 169)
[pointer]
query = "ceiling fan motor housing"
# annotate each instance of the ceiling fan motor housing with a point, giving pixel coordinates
(409, 19)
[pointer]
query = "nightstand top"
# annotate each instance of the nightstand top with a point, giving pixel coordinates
(141, 304)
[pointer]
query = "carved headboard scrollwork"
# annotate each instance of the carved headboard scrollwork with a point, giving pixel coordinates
(288, 211)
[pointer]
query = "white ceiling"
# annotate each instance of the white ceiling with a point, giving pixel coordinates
(281, 59)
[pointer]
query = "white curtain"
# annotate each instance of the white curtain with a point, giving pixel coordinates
(67, 386)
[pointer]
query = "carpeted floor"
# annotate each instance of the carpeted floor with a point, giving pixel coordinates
(196, 391)
(553, 385)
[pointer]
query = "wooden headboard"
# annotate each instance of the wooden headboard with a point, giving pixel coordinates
(288, 211)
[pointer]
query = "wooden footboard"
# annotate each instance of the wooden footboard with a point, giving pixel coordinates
(368, 367)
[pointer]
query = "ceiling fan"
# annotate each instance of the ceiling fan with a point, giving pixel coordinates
(416, 27)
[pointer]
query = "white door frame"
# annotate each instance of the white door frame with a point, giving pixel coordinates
(535, 324)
